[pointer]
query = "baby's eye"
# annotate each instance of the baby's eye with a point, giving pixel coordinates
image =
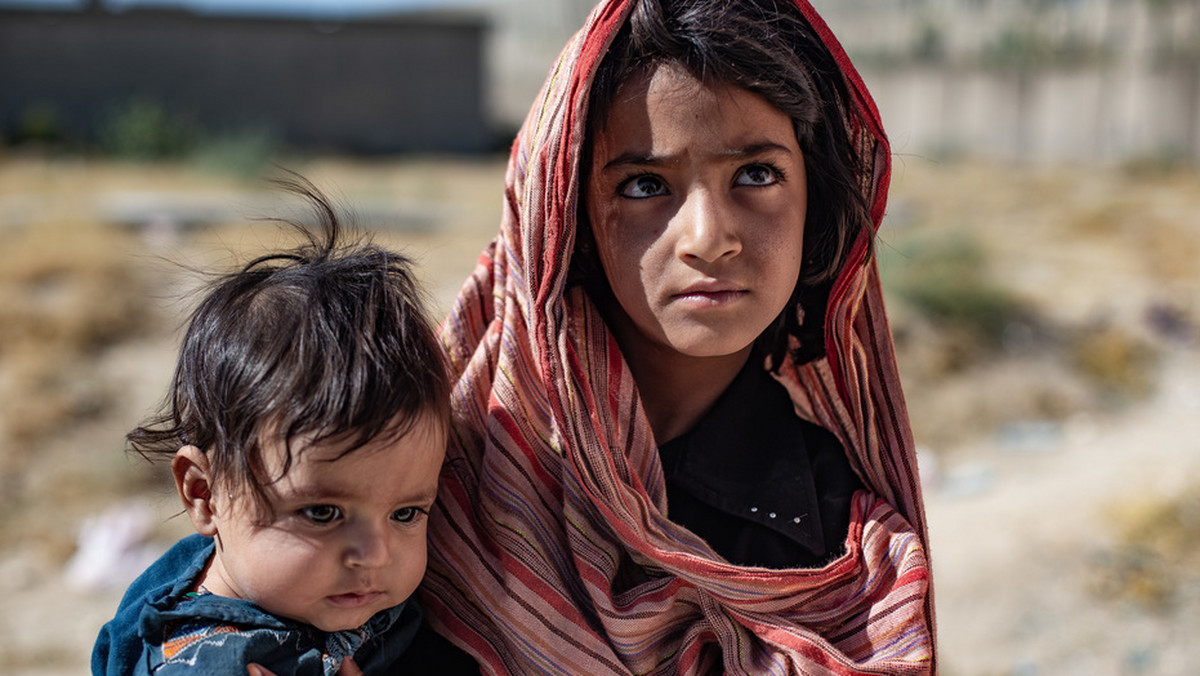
(407, 514)
(321, 514)
(757, 174)
(641, 187)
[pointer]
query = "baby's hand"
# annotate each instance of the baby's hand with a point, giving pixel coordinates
(348, 668)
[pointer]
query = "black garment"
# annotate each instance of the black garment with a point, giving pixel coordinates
(760, 485)
(433, 654)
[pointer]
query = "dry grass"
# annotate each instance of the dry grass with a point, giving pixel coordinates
(1155, 552)
(68, 290)
(1028, 298)
(1117, 362)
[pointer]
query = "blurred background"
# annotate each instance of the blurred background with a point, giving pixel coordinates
(1040, 254)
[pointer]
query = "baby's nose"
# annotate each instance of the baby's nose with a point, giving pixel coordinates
(368, 547)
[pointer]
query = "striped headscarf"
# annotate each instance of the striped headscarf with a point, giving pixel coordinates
(549, 549)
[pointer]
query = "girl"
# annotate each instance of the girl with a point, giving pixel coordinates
(679, 444)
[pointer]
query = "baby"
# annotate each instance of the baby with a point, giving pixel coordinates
(306, 426)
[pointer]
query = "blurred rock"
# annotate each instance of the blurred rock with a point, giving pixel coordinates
(1030, 436)
(1171, 323)
(968, 480)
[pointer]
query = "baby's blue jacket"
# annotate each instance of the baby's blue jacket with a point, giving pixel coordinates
(159, 630)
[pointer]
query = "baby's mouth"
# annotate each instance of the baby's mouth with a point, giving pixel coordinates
(354, 599)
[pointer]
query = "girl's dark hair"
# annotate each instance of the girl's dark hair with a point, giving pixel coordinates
(766, 47)
(328, 341)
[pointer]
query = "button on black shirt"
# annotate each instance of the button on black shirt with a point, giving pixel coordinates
(761, 486)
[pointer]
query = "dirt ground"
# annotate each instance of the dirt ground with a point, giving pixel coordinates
(1038, 481)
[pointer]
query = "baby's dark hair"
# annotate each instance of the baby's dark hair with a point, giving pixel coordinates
(766, 47)
(328, 342)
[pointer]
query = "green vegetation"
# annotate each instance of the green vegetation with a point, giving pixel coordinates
(39, 125)
(144, 130)
(945, 279)
(242, 154)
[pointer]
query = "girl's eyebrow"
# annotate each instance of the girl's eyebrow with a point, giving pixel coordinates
(635, 159)
(757, 149)
(750, 150)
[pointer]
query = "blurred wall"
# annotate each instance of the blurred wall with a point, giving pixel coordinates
(1045, 81)
(529, 35)
(404, 84)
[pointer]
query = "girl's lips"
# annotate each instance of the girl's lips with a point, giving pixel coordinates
(711, 297)
(709, 288)
(354, 599)
(714, 293)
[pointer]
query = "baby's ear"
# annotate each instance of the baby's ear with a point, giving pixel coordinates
(194, 483)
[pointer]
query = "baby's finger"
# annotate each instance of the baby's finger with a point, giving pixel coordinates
(255, 670)
(349, 668)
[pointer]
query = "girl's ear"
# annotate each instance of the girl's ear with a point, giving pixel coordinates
(194, 483)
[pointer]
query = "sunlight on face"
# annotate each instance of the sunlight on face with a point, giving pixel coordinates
(347, 538)
(697, 198)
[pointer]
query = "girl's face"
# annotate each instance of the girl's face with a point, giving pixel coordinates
(347, 538)
(697, 197)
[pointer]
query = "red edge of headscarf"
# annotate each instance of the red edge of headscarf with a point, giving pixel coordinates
(604, 25)
(858, 252)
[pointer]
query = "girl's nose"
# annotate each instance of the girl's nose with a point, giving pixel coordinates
(707, 229)
(367, 546)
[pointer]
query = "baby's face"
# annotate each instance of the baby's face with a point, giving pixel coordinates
(347, 538)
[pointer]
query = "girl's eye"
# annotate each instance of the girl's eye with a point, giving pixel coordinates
(407, 514)
(321, 514)
(641, 187)
(757, 175)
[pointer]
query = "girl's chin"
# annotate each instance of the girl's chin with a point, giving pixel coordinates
(710, 347)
